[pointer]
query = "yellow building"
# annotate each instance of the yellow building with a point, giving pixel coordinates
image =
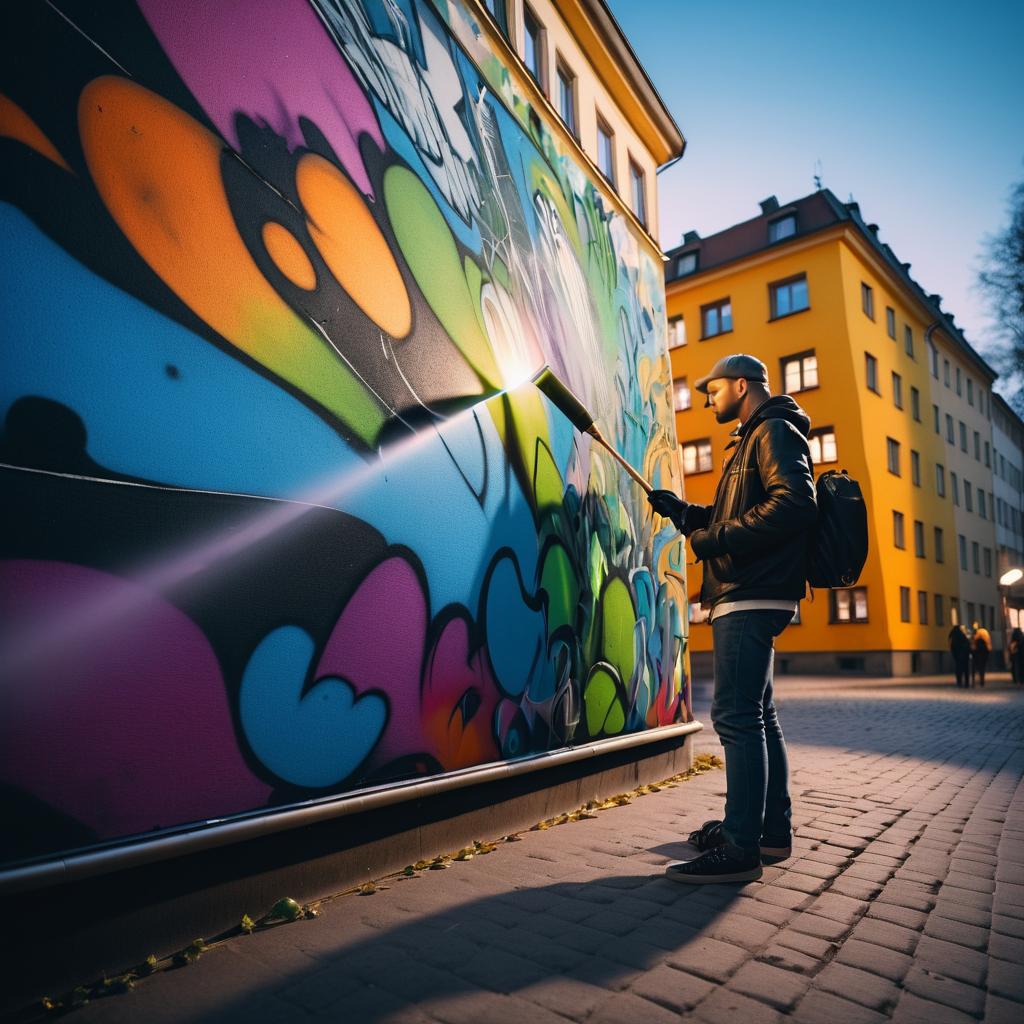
(809, 289)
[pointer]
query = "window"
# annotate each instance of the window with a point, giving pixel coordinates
(959, 382)
(915, 468)
(970, 391)
(919, 539)
(940, 618)
(954, 611)
(686, 264)
(963, 436)
(697, 456)
(956, 488)
(681, 394)
(789, 296)
(890, 322)
(977, 446)
(676, 332)
(849, 605)
(970, 611)
(871, 372)
(940, 550)
(976, 557)
(922, 607)
(908, 340)
(940, 480)
(988, 455)
(897, 390)
(782, 227)
(945, 372)
(893, 455)
(981, 504)
(799, 372)
(933, 359)
(898, 538)
(533, 47)
(935, 417)
(987, 554)
(915, 404)
(716, 318)
(499, 9)
(567, 96)
(904, 604)
(867, 300)
(822, 442)
(606, 150)
(950, 434)
(981, 401)
(638, 192)
(962, 544)
(968, 496)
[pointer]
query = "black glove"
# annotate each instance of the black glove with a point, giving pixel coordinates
(667, 504)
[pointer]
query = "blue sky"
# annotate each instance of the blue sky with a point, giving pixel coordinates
(917, 109)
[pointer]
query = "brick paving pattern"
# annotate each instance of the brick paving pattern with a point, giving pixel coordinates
(904, 899)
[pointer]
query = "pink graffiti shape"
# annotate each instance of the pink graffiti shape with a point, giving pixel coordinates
(273, 61)
(124, 727)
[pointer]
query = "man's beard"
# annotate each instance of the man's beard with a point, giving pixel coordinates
(729, 413)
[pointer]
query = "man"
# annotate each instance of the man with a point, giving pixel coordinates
(960, 648)
(1017, 655)
(981, 644)
(752, 540)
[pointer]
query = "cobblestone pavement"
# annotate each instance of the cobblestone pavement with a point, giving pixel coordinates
(904, 899)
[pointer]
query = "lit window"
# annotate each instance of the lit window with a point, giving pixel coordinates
(789, 296)
(822, 443)
(799, 372)
(637, 192)
(908, 340)
(676, 332)
(697, 457)
(922, 607)
(890, 322)
(782, 227)
(606, 150)
(893, 455)
(533, 46)
(871, 372)
(849, 605)
(904, 604)
(915, 468)
(716, 318)
(940, 480)
(898, 536)
(940, 551)
(686, 264)
(919, 538)
(867, 300)
(897, 390)
(954, 611)
(681, 393)
(567, 97)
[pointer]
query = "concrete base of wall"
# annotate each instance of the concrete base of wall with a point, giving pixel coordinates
(108, 923)
(833, 663)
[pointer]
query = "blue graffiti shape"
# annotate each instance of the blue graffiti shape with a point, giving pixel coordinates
(315, 738)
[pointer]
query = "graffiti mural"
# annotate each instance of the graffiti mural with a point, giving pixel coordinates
(284, 517)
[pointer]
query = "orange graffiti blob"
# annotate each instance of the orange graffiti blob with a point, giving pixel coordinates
(16, 124)
(352, 245)
(158, 172)
(288, 255)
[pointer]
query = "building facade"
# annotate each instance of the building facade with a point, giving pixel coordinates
(811, 290)
(1008, 481)
(281, 503)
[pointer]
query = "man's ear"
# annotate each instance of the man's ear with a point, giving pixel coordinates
(742, 386)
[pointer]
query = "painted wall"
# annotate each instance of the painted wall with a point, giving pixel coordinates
(282, 519)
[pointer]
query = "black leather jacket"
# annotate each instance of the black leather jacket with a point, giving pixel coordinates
(753, 538)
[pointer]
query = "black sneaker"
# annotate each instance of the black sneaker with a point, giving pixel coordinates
(710, 836)
(775, 849)
(722, 864)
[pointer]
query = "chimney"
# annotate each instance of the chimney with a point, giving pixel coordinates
(690, 236)
(769, 205)
(906, 268)
(873, 228)
(852, 208)
(937, 299)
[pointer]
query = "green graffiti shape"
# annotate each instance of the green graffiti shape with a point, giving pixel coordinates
(602, 703)
(558, 580)
(618, 619)
(433, 257)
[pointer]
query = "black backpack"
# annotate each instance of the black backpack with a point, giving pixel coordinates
(839, 546)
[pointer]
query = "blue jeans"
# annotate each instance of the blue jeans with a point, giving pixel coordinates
(757, 800)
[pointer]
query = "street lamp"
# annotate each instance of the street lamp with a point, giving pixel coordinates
(1010, 577)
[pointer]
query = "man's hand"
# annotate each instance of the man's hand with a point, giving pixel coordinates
(666, 504)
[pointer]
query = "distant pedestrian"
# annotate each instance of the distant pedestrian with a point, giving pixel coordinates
(1017, 656)
(960, 648)
(981, 644)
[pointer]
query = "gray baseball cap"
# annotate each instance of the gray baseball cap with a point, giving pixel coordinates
(734, 368)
